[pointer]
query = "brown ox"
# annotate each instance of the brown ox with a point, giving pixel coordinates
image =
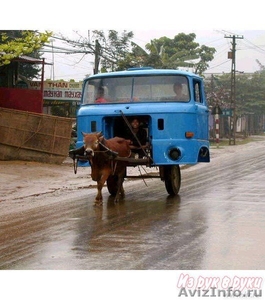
(100, 152)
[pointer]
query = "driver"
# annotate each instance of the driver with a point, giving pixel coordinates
(100, 95)
(178, 89)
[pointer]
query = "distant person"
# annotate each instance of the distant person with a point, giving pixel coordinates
(141, 135)
(178, 89)
(100, 95)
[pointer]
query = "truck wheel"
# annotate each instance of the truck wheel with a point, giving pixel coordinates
(112, 184)
(172, 179)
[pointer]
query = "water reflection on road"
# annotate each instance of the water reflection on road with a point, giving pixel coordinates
(217, 222)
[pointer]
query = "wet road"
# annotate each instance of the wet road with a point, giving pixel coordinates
(217, 222)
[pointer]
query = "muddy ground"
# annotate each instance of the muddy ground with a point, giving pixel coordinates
(28, 183)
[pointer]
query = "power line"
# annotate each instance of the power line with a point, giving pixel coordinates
(63, 50)
(255, 46)
(218, 65)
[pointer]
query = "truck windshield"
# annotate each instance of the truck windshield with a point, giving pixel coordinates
(136, 89)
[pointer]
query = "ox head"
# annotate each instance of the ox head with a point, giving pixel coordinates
(91, 142)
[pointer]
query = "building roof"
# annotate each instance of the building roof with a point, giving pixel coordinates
(28, 59)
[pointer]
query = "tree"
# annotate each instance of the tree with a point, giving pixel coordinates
(14, 43)
(109, 48)
(113, 48)
(206, 54)
(250, 92)
(116, 51)
(253, 92)
(176, 52)
(166, 53)
(218, 90)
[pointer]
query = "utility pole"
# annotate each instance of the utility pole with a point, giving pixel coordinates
(97, 57)
(232, 55)
(52, 76)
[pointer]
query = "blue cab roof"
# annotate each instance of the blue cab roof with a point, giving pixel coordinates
(143, 71)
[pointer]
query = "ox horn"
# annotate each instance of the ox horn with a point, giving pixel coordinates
(99, 134)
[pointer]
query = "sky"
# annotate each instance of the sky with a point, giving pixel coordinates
(209, 20)
(248, 49)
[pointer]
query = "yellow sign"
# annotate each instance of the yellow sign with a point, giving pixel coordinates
(59, 90)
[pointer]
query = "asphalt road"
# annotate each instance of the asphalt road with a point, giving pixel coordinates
(216, 222)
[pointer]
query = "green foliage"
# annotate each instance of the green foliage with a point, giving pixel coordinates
(116, 51)
(20, 42)
(113, 48)
(250, 92)
(166, 53)
(218, 90)
(176, 52)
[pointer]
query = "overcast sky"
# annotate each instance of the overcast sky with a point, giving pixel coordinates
(249, 49)
(209, 20)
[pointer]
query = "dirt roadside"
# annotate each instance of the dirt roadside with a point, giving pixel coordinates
(20, 179)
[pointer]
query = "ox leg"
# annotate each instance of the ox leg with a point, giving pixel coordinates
(100, 184)
(120, 192)
(99, 199)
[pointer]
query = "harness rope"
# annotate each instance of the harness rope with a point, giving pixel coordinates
(113, 155)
